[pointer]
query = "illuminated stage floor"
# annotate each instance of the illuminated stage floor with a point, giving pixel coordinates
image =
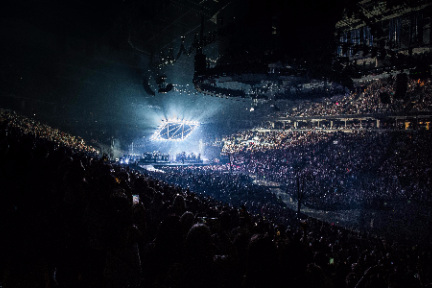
(179, 164)
(155, 166)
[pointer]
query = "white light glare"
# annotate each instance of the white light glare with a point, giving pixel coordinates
(157, 135)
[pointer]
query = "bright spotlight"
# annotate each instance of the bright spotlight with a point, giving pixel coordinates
(174, 130)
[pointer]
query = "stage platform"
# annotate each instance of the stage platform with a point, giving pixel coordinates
(159, 162)
(152, 161)
(176, 164)
(155, 167)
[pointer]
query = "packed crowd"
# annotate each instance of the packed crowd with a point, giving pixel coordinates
(221, 182)
(39, 130)
(366, 100)
(73, 223)
(253, 141)
(259, 140)
(267, 137)
(345, 170)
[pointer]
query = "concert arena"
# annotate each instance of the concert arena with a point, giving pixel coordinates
(216, 143)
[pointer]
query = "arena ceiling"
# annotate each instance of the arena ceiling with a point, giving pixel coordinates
(80, 65)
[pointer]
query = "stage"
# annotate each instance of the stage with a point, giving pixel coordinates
(176, 164)
(155, 166)
(170, 163)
